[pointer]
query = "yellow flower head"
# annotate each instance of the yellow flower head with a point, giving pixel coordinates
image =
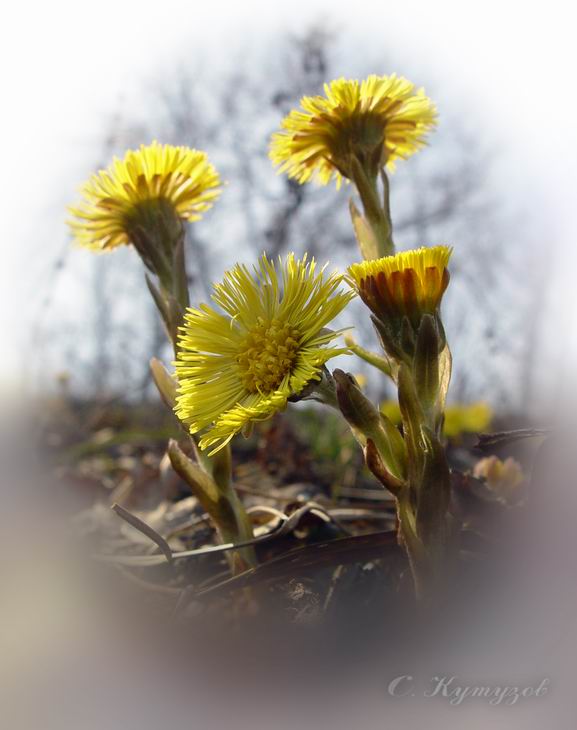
(242, 365)
(119, 199)
(460, 418)
(466, 418)
(379, 120)
(408, 284)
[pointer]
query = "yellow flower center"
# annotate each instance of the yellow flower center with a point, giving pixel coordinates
(267, 354)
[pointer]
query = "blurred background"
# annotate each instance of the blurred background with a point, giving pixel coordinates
(496, 181)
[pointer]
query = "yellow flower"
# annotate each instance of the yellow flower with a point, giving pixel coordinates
(177, 181)
(471, 418)
(242, 366)
(378, 120)
(391, 409)
(459, 417)
(408, 284)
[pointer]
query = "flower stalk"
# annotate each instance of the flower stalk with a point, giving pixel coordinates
(374, 230)
(382, 363)
(209, 478)
(357, 131)
(404, 292)
(219, 500)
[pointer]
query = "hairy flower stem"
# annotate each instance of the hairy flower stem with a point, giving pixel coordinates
(221, 503)
(377, 213)
(421, 398)
(415, 549)
(403, 293)
(163, 244)
(384, 364)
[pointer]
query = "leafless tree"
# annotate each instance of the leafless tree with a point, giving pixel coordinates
(441, 195)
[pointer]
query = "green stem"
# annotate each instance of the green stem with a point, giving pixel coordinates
(410, 539)
(387, 198)
(161, 246)
(239, 530)
(377, 214)
(219, 502)
(377, 361)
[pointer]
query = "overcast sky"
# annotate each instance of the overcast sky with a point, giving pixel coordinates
(65, 65)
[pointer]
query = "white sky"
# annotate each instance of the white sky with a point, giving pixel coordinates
(65, 64)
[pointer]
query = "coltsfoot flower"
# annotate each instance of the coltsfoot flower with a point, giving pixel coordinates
(408, 284)
(155, 181)
(467, 418)
(378, 121)
(460, 418)
(242, 365)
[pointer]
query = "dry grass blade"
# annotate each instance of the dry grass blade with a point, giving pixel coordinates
(488, 440)
(289, 524)
(145, 529)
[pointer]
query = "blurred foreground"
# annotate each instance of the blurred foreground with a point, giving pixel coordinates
(315, 637)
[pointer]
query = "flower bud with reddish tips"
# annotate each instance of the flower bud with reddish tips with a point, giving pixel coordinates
(408, 284)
